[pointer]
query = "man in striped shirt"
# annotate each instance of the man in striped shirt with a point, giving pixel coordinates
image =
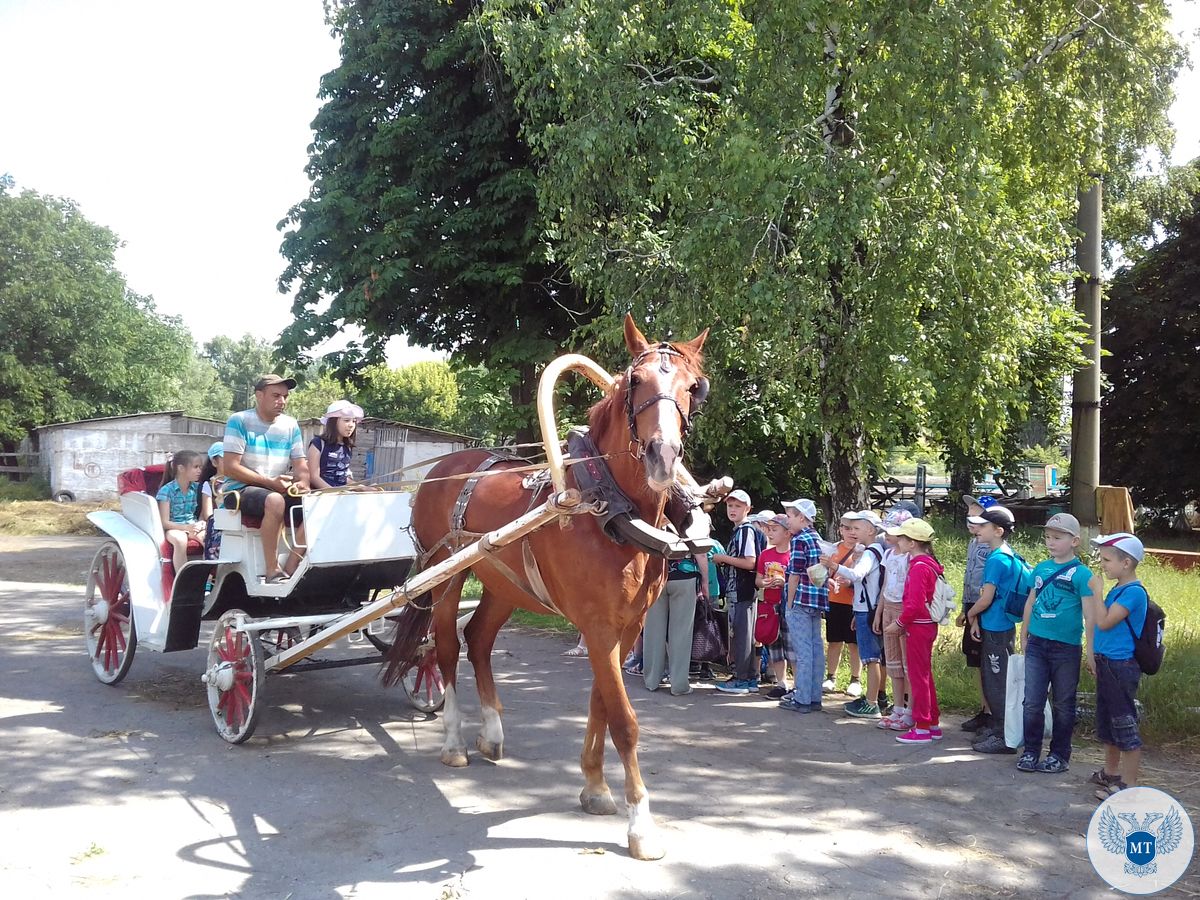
(261, 444)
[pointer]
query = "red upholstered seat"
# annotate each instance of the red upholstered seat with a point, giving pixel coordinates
(194, 548)
(251, 521)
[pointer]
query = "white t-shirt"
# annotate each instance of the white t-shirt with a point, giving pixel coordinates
(895, 573)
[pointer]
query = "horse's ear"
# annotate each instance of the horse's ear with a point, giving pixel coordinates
(696, 344)
(634, 339)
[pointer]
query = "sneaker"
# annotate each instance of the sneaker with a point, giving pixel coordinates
(885, 722)
(734, 686)
(861, 709)
(815, 706)
(1028, 762)
(706, 673)
(752, 685)
(913, 736)
(936, 733)
(827, 686)
(683, 693)
(977, 722)
(1053, 765)
(793, 706)
(903, 723)
(854, 689)
(777, 693)
(993, 743)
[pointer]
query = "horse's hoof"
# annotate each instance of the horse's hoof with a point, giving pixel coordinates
(597, 804)
(646, 847)
(491, 751)
(456, 759)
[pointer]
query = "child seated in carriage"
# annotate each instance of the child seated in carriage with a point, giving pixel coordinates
(329, 452)
(181, 505)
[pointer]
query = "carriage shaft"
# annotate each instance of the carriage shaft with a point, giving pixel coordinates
(563, 503)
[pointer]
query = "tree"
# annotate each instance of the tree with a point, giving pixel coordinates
(422, 218)
(239, 363)
(1149, 420)
(424, 393)
(871, 202)
(76, 342)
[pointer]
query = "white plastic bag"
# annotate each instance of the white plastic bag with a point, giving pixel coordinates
(1014, 704)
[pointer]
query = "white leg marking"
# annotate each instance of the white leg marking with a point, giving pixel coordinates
(452, 725)
(644, 842)
(493, 730)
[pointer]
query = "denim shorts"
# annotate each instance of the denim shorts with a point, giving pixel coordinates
(868, 640)
(1116, 714)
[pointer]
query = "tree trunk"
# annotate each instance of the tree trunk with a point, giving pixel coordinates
(848, 486)
(962, 479)
(524, 394)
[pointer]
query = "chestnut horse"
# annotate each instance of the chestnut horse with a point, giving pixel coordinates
(602, 587)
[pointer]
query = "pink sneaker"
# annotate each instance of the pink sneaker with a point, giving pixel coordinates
(935, 733)
(913, 736)
(885, 722)
(904, 723)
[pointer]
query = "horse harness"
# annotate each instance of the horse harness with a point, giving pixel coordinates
(699, 394)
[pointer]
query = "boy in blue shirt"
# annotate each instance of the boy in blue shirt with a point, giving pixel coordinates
(1051, 634)
(1121, 616)
(990, 624)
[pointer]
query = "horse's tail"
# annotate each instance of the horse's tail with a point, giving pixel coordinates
(412, 625)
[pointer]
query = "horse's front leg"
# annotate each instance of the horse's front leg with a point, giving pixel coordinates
(595, 798)
(481, 638)
(644, 840)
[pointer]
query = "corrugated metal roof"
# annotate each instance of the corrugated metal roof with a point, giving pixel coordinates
(388, 423)
(166, 412)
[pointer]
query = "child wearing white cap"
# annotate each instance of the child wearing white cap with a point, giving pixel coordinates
(742, 558)
(1119, 619)
(329, 452)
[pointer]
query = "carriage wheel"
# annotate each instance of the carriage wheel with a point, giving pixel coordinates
(108, 616)
(422, 683)
(234, 678)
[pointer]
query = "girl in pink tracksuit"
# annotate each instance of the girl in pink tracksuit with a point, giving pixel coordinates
(915, 537)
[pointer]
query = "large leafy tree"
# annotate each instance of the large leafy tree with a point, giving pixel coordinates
(238, 363)
(422, 218)
(872, 201)
(1149, 418)
(75, 341)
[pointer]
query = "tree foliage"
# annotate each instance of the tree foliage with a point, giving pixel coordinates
(1152, 334)
(872, 202)
(76, 341)
(422, 218)
(238, 363)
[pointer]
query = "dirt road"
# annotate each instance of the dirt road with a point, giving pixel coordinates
(127, 791)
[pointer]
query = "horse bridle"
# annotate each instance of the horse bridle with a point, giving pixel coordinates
(699, 395)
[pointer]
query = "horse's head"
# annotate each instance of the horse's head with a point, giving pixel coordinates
(664, 387)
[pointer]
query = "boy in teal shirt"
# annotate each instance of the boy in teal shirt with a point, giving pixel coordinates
(1052, 637)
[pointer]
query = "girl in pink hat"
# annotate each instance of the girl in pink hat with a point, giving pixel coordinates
(329, 452)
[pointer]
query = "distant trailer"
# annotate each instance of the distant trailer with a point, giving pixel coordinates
(82, 459)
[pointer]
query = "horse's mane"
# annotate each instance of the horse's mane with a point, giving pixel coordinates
(608, 413)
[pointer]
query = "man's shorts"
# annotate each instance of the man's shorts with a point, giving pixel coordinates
(1116, 713)
(253, 502)
(971, 648)
(868, 640)
(837, 624)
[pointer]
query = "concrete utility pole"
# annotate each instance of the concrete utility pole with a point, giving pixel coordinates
(1085, 406)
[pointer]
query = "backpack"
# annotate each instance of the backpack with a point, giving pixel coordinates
(1149, 647)
(941, 606)
(1018, 592)
(876, 551)
(766, 623)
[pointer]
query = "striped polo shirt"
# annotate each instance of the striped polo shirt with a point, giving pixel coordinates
(268, 449)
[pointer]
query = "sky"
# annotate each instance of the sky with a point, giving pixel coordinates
(184, 128)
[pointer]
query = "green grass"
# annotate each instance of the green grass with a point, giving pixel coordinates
(1170, 699)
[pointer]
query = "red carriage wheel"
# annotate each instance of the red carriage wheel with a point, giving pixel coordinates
(423, 683)
(108, 615)
(234, 678)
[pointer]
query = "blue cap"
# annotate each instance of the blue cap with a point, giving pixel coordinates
(987, 501)
(217, 449)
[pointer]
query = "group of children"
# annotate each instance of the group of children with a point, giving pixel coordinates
(885, 575)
